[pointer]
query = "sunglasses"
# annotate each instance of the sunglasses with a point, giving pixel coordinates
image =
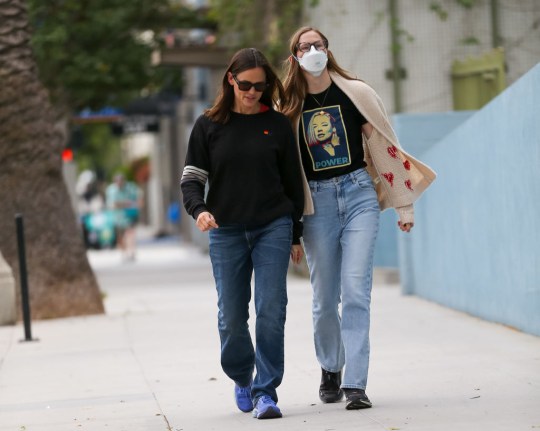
(246, 85)
(306, 46)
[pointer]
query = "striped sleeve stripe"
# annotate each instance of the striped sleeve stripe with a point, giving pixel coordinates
(191, 173)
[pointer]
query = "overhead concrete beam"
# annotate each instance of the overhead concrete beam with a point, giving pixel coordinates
(192, 56)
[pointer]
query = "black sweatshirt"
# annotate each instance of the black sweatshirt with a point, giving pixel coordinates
(252, 167)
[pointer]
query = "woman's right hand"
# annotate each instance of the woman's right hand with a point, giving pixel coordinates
(206, 221)
(297, 253)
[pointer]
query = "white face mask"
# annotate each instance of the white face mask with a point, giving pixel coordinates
(313, 61)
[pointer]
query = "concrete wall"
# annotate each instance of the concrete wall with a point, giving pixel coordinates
(359, 34)
(417, 133)
(386, 247)
(476, 244)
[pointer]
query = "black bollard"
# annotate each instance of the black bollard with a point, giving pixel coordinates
(25, 300)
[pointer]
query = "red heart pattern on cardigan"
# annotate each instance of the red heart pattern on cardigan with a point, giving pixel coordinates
(408, 185)
(389, 176)
(392, 151)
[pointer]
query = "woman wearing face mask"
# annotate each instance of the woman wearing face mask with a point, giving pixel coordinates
(342, 206)
(246, 151)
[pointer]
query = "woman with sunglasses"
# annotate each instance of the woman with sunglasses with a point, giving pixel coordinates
(246, 152)
(345, 193)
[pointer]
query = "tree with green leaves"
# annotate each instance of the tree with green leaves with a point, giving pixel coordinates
(96, 53)
(263, 24)
(56, 57)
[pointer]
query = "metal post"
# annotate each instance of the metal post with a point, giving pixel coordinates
(495, 29)
(396, 57)
(25, 300)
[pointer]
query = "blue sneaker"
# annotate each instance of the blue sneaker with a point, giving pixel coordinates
(266, 408)
(242, 395)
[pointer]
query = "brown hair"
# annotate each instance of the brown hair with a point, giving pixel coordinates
(245, 59)
(295, 84)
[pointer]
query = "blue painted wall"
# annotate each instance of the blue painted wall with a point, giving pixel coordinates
(417, 133)
(476, 245)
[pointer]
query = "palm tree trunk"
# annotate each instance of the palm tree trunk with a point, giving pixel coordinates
(61, 281)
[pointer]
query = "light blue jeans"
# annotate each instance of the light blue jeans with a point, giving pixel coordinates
(236, 253)
(339, 241)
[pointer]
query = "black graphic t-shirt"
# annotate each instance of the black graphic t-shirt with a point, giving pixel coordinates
(330, 135)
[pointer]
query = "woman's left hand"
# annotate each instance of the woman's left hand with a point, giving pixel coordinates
(297, 253)
(405, 227)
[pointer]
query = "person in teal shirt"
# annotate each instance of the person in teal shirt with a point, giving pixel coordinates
(125, 198)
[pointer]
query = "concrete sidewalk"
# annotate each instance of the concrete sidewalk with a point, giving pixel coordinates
(152, 362)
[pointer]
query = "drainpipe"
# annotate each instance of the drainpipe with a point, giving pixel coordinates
(495, 30)
(396, 57)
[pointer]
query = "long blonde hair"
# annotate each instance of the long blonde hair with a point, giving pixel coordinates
(295, 85)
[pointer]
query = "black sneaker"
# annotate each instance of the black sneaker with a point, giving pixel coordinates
(356, 399)
(330, 391)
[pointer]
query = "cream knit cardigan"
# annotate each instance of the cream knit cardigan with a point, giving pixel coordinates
(398, 177)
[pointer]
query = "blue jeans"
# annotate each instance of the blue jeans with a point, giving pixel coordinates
(237, 252)
(339, 241)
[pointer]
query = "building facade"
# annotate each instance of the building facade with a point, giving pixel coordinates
(429, 36)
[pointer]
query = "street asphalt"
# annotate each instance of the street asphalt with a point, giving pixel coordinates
(151, 363)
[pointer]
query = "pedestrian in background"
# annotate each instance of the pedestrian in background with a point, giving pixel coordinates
(347, 145)
(246, 152)
(89, 203)
(124, 198)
